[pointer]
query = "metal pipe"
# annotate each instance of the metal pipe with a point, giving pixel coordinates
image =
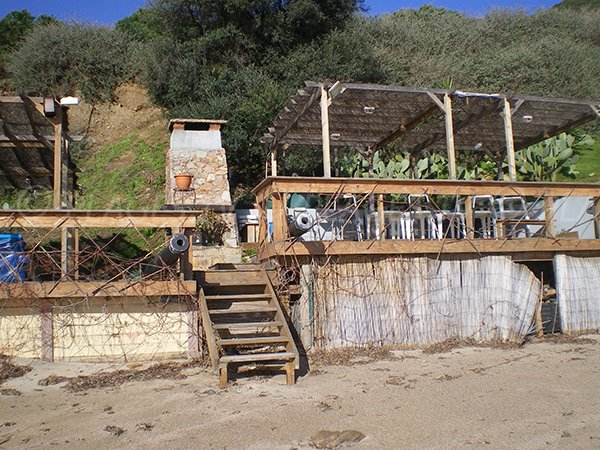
(168, 257)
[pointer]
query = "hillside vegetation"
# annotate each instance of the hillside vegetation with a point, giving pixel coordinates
(241, 60)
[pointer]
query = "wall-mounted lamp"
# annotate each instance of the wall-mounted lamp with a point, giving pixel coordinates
(49, 107)
(368, 109)
(527, 119)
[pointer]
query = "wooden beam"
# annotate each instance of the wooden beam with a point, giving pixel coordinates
(297, 116)
(58, 155)
(70, 290)
(279, 218)
(380, 217)
(450, 137)
(597, 216)
(510, 143)
(325, 132)
(549, 216)
(97, 219)
(47, 332)
(274, 151)
(406, 127)
(469, 222)
(435, 247)
(419, 187)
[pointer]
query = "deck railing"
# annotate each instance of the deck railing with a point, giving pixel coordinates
(349, 216)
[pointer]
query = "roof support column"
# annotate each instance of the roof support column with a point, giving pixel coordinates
(274, 151)
(58, 162)
(450, 137)
(325, 132)
(510, 142)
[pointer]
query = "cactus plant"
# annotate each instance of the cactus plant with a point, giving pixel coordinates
(543, 161)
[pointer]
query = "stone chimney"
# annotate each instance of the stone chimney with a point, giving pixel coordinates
(196, 149)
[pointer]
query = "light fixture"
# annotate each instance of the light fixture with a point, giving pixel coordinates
(49, 108)
(336, 136)
(368, 109)
(527, 119)
(69, 101)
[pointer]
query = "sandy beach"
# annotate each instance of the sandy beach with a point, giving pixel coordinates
(545, 394)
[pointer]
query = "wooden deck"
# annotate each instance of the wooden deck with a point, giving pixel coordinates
(279, 243)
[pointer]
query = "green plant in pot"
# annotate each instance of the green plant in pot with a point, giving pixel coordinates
(211, 227)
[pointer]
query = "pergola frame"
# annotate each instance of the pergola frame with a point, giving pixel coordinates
(368, 117)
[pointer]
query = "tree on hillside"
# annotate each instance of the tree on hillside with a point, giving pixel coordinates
(13, 29)
(241, 60)
(579, 4)
(142, 25)
(76, 59)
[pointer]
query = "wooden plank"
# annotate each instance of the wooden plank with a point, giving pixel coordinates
(325, 132)
(213, 351)
(47, 333)
(406, 127)
(96, 219)
(263, 340)
(194, 349)
(469, 221)
(420, 187)
(274, 151)
(450, 137)
(95, 289)
(58, 155)
(510, 142)
(380, 217)
(435, 247)
(597, 216)
(279, 218)
(549, 216)
(282, 356)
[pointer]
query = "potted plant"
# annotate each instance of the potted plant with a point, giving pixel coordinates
(212, 227)
(183, 181)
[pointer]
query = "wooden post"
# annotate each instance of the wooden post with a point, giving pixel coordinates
(47, 333)
(597, 216)
(510, 142)
(325, 132)
(380, 217)
(194, 350)
(263, 227)
(450, 137)
(274, 161)
(187, 259)
(469, 222)
(539, 324)
(279, 217)
(58, 154)
(549, 216)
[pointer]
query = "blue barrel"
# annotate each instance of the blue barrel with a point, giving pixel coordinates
(13, 259)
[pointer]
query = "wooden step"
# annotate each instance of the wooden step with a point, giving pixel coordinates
(253, 341)
(252, 357)
(232, 283)
(225, 326)
(255, 310)
(236, 297)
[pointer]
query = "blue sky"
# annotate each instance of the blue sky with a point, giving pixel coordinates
(109, 11)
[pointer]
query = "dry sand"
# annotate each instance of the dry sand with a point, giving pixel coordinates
(543, 395)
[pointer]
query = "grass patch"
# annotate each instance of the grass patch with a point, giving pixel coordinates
(589, 164)
(126, 175)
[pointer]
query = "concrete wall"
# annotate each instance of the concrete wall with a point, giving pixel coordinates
(122, 329)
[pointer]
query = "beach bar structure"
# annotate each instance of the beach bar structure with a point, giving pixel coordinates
(413, 261)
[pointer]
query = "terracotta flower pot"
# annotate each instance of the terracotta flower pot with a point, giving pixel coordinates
(183, 181)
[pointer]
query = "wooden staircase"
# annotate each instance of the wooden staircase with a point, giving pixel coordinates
(243, 321)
